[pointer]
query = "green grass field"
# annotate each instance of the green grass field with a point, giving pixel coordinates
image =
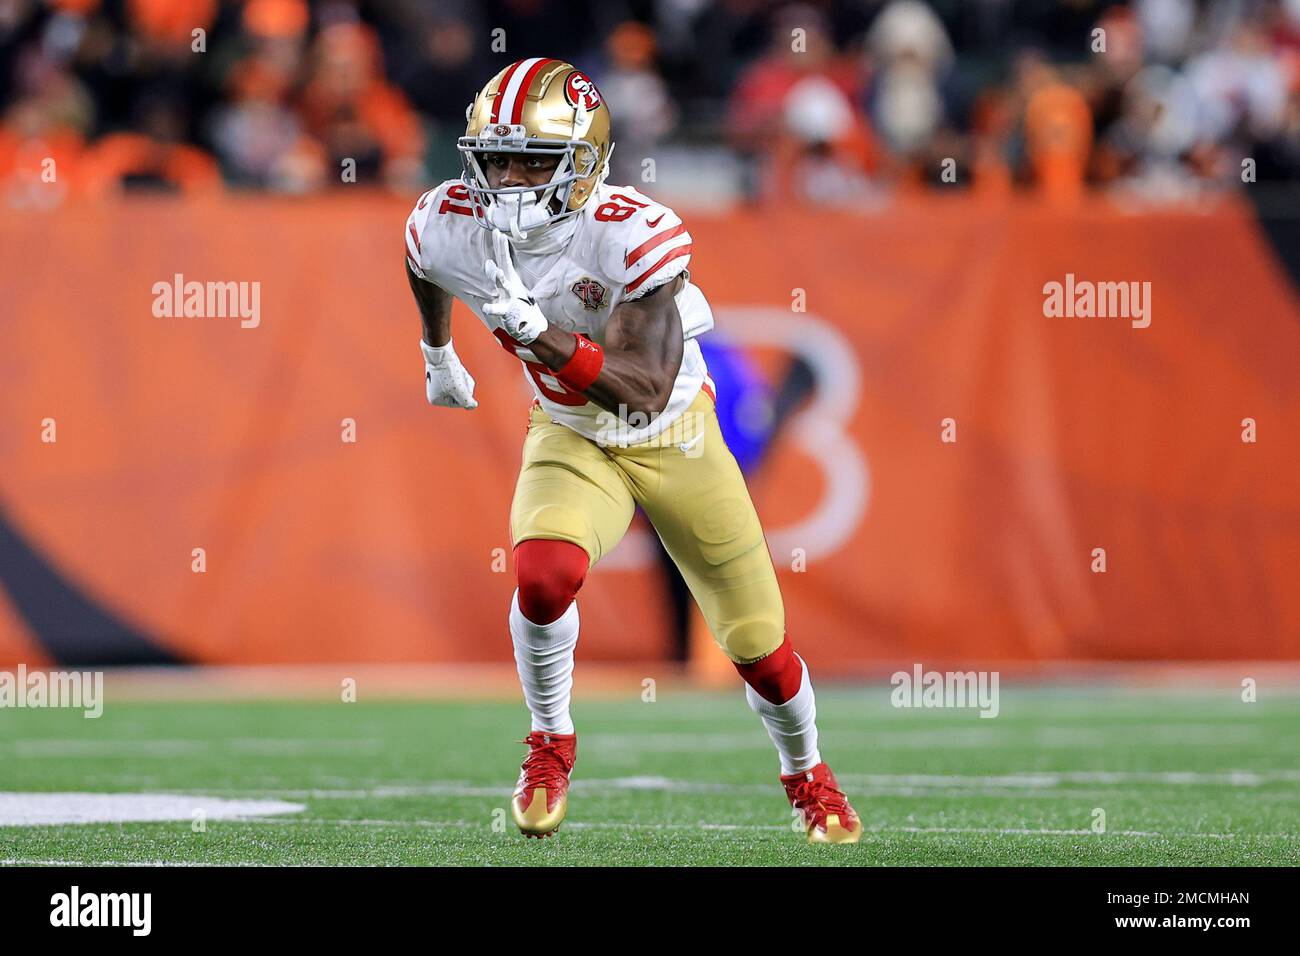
(689, 779)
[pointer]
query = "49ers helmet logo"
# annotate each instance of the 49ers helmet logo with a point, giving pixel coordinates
(578, 88)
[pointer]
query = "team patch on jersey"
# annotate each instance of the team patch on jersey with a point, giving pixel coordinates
(578, 86)
(590, 293)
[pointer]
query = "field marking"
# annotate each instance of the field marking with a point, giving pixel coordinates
(152, 863)
(161, 804)
(267, 746)
(34, 809)
(1054, 778)
(883, 736)
(978, 736)
(871, 833)
(612, 825)
(459, 788)
(1026, 783)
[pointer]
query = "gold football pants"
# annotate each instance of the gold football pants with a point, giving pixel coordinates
(688, 483)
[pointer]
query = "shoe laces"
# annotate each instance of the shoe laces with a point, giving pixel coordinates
(811, 796)
(547, 764)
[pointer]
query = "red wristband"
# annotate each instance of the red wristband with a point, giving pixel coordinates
(583, 366)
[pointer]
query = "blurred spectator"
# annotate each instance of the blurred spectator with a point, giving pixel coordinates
(441, 63)
(828, 102)
(356, 115)
(44, 131)
(638, 96)
(166, 27)
(1154, 134)
(1240, 88)
(1058, 132)
(793, 120)
(1167, 28)
(155, 158)
(258, 135)
(912, 55)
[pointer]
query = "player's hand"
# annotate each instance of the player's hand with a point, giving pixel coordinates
(514, 305)
(446, 381)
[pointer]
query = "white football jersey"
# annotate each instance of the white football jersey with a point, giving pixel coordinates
(623, 245)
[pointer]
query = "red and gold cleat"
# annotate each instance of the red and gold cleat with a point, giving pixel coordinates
(825, 808)
(541, 795)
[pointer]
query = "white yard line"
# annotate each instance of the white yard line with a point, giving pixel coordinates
(1019, 783)
(1054, 778)
(30, 809)
(270, 746)
(150, 863)
(882, 736)
(611, 825)
(981, 734)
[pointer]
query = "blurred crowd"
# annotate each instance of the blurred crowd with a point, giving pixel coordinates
(830, 102)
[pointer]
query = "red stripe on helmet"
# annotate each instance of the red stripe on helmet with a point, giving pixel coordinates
(501, 90)
(518, 113)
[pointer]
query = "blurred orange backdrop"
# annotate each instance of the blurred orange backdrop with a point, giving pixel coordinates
(1072, 434)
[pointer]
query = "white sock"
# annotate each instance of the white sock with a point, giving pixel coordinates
(792, 725)
(544, 658)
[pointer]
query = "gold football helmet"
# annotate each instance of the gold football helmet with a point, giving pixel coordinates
(536, 106)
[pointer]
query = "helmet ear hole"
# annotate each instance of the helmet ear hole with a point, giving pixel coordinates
(578, 195)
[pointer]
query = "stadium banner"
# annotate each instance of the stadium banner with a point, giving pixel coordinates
(1032, 433)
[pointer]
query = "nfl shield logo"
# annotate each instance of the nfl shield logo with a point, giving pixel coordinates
(590, 293)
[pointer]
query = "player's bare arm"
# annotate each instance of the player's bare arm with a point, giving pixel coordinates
(643, 351)
(447, 382)
(435, 309)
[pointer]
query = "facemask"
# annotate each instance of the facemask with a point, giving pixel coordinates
(518, 214)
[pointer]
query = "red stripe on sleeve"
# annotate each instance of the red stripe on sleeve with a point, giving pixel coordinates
(652, 243)
(668, 257)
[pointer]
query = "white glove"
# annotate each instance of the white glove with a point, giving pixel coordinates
(446, 381)
(514, 305)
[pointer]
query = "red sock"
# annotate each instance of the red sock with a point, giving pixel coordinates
(775, 678)
(550, 574)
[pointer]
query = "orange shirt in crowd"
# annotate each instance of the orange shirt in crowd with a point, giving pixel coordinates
(115, 157)
(1058, 135)
(171, 21)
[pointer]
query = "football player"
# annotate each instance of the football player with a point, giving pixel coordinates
(586, 285)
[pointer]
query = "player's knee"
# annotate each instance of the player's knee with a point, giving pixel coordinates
(776, 676)
(751, 639)
(550, 573)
